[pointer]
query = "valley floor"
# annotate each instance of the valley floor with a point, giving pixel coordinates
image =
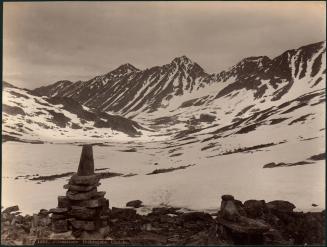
(159, 173)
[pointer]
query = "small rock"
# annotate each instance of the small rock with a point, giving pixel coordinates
(281, 206)
(91, 235)
(83, 225)
(63, 202)
(197, 216)
(59, 226)
(35, 220)
(229, 211)
(104, 231)
(134, 204)
(45, 221)
(122, 213)
(82, 195)
(84, 180)
(83, 213)
(58, 216)
(58, 210)
(62, 235)
(227, 198)
(255, 208)
(11, 209)
(80, 188)
(92, 203)
(43, 212)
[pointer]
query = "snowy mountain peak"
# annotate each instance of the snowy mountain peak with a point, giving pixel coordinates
(185, 64)
(182, 60)
(125, 69)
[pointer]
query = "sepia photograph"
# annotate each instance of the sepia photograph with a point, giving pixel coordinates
(163, 123)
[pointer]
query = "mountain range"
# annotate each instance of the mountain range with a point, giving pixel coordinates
(127, 91)
(176, 99)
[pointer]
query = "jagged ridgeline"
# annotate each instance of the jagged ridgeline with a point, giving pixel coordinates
(128, 90)
(179, 96)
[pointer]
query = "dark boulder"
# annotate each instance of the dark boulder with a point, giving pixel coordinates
(197, 216)
(122, 213)
(11, 209)
(229, 211)
(134, 204)
(59, 226)
(164, 210)
(83, 225)
(227, 198)
(255, 208)
(58, 210)
(280, 206)
(82, 213)
(82, 196)
(43, 213)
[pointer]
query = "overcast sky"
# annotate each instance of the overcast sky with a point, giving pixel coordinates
(46, 42)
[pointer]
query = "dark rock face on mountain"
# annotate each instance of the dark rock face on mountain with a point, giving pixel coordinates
(54, 88)
(128, 90)
(101, 119)
(280, 72)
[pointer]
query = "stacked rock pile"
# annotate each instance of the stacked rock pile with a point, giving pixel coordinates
(83, 209)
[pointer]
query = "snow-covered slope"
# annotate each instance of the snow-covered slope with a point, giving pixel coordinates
(253, 85)
(27, 117)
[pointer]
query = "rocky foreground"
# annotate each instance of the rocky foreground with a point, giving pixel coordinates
(251, 222)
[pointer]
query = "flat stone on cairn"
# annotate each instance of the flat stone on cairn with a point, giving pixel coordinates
(83, 208)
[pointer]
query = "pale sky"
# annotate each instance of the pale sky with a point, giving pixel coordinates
(49, 41)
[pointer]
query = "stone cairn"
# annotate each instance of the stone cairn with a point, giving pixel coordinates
(83, 209)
